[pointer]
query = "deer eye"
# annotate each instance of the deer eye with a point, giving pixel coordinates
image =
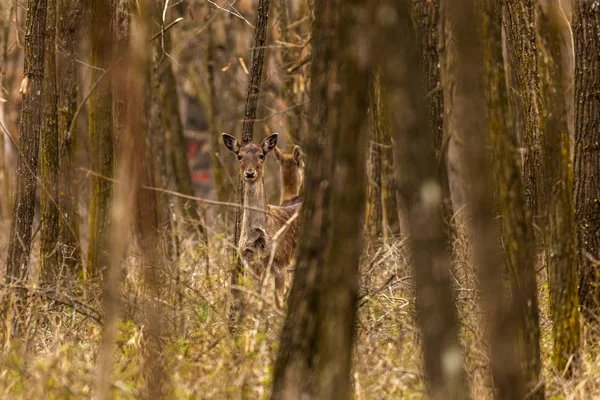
(239, 157)
(262, 157)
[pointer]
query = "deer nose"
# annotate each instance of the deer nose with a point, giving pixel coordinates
(250, 174)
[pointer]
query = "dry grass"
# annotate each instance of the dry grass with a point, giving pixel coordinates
(56, 358)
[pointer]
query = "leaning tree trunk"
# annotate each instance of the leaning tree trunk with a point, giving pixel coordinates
(101, 134)
(560, 229)
(587, 152)
(49, 207)
(254, 83)
(31, 123)
(292, 375)
(69, 12)
(422, 191)
(516, 220)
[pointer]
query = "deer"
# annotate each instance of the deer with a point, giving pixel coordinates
(269, 234)
(291, 171)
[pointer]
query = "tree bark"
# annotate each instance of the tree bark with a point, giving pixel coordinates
(520, 20)
(49, 207)
(374, 203)
(560, 230)
(101, 135)
(421, 190)
(517, 235)
(587, 152)
(318, 334)
(31, 123)
(295, 362)
(69, 12)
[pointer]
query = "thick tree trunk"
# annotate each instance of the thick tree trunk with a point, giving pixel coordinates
(49, 207)
(516, 218)
(429, 30)
(520, 21)
(560, 238)
(294, 363)
(587, 152)
(469, 115)
(69, 13)
(101, 134)
(316, 347)
(31, 123)
(421, 189)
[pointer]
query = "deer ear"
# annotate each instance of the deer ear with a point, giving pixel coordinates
(298, 155)
(270, 143)
(278, 154)
(231, 143)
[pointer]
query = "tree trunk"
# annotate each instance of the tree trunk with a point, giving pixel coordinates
(587, 152)
(315, 358)
(49, 207)
(374, 203)
(289, 55)
(426, 16)
(469, 115)
(421, 189)
(101, 134)
(5, 201)
(560, 230)
(520, 21)
(292, 376)
(516, 218)
(69, 12)
(254, 82)
(31, 123)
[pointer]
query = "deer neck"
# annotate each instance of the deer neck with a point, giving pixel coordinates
(254, 199)
(290, 186)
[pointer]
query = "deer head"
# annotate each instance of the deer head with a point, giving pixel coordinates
(251, 157)
(291, 167)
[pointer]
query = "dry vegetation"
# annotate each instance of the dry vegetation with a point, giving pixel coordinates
(56, 358)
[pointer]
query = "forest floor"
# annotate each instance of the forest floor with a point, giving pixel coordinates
(57, 357)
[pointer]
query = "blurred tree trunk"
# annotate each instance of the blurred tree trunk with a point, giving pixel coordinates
(516, 218)
(214, 114)
(254, 83)
(31, 123)
(158, 141)
(101, 134)
(374, 203)
(421, 189)
(389, 186)
(587, 152)
(521, 35)
(430, 36)
(469, 114)
(69, 13)
(5, 203)
(289, 56)
(49, 207)
(175, 135)
(316, 343)
(560, 229)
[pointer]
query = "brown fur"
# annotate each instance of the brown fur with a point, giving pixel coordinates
(259, 227)
(291, 170)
